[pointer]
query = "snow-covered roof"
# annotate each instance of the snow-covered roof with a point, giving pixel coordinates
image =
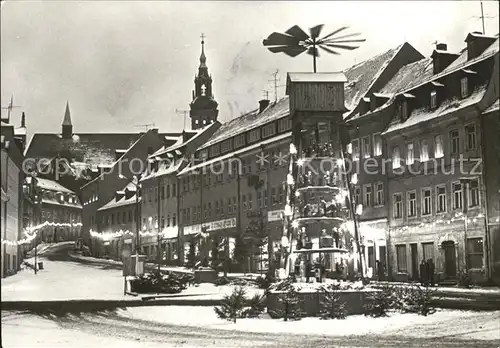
(181, 143)
(52, 185)
(64, 203)
(190, 168)
(120, 203)
(492, 107)
(20, 131)
(423, 114)
(165, 167)
(317, 77)
(409, 74)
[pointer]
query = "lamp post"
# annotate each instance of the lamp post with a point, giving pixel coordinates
(135, 181)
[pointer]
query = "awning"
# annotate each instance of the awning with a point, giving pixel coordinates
(437, 84)
(470, 72)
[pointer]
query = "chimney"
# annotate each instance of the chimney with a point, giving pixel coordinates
(441, 47)
(477, 43)
(119, 153)
(263, 104)
(441, 58)
(23, 120)
(129, 193)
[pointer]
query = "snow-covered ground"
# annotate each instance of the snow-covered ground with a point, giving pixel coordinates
(464, 324)
(62, 280)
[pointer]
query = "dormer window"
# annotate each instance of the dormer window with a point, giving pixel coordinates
(464, 87)
(433, 99)
(404, 110)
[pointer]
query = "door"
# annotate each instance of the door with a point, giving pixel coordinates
(450, 260)
(382, 252)
(414, 261)
(371, 260)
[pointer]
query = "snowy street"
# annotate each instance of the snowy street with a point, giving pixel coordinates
(198, 327)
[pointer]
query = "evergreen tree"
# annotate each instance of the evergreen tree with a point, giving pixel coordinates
(233, 306)
(191, 257)
(240, 251)
(255, 236)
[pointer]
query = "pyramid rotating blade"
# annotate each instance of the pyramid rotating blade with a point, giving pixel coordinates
(315, 31)
(313, 51)
(335, 41)
(278, 39)
(333, 33)
(289, 51)
(297, 33)
(329, 50)
(343, 47)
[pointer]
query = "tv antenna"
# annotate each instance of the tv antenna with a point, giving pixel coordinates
(146, 127)
(265, 94)
(10, 107)
(482, 17)
(275, 80)
(184, 113)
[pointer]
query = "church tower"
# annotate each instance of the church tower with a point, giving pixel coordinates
(203, 107)
(67, 126)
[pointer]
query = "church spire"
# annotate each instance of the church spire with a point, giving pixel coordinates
(67, 126)
(203, 58)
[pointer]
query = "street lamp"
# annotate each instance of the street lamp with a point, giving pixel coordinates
(135, 181)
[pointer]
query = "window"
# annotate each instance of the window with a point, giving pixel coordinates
(156, 194)
(377, 145)
(426, 201)
(284, 125)
(168, 220)
(173, 220)
(475, 252)
(162, 192)
(379, 194)
(239, 141)
(225, 146)
(454, 142)
(396, 158)
(117, 218)
(473, 193)
(441, 199)
(215, 150)
(397, 206)
(268, 130)
(184, 215)
(221, 207)
(273, 196)
(355, 149)
(249, 201)
(162, 222)
(433, 99)
(112, 219)
(174, 190)
(424, 150)
(281, 194)
(265, 198)
(464, 87)
(357, 195)
(366, 147)
(235, 207)
(410, 154)
(254, 135)
(470, 137)
(457, 195)
(229, 206)
(209, 209)
(404, 110)
(244, 202)
(216, 207)
(168, 191)
(428, 251)
(412, 204)
(401, 258)
(438, 146)
(368, 195)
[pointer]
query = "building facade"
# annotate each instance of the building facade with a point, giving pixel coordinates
(12, 177)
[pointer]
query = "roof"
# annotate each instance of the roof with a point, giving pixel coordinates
(20, 131)
(52, 185)
(493, 107)
(67, 116)
(409, 74)
(423, 114)
(219, 159)
(65, 204)
(180, 143)
(119, 203)
(90, 148)
(165, 167)
(362, 76)
(316, 77)
(478, 34)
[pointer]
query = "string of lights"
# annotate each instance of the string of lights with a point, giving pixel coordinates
(31, 232)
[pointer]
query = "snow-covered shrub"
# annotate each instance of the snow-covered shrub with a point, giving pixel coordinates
(160, 283)
(290, 306)
(332, 306)
(222, 281)
(233, 306)
(257, 306)
(418, 299)
(380, 302)
(264, 282)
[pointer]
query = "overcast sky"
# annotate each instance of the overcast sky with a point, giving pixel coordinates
(124, 63)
